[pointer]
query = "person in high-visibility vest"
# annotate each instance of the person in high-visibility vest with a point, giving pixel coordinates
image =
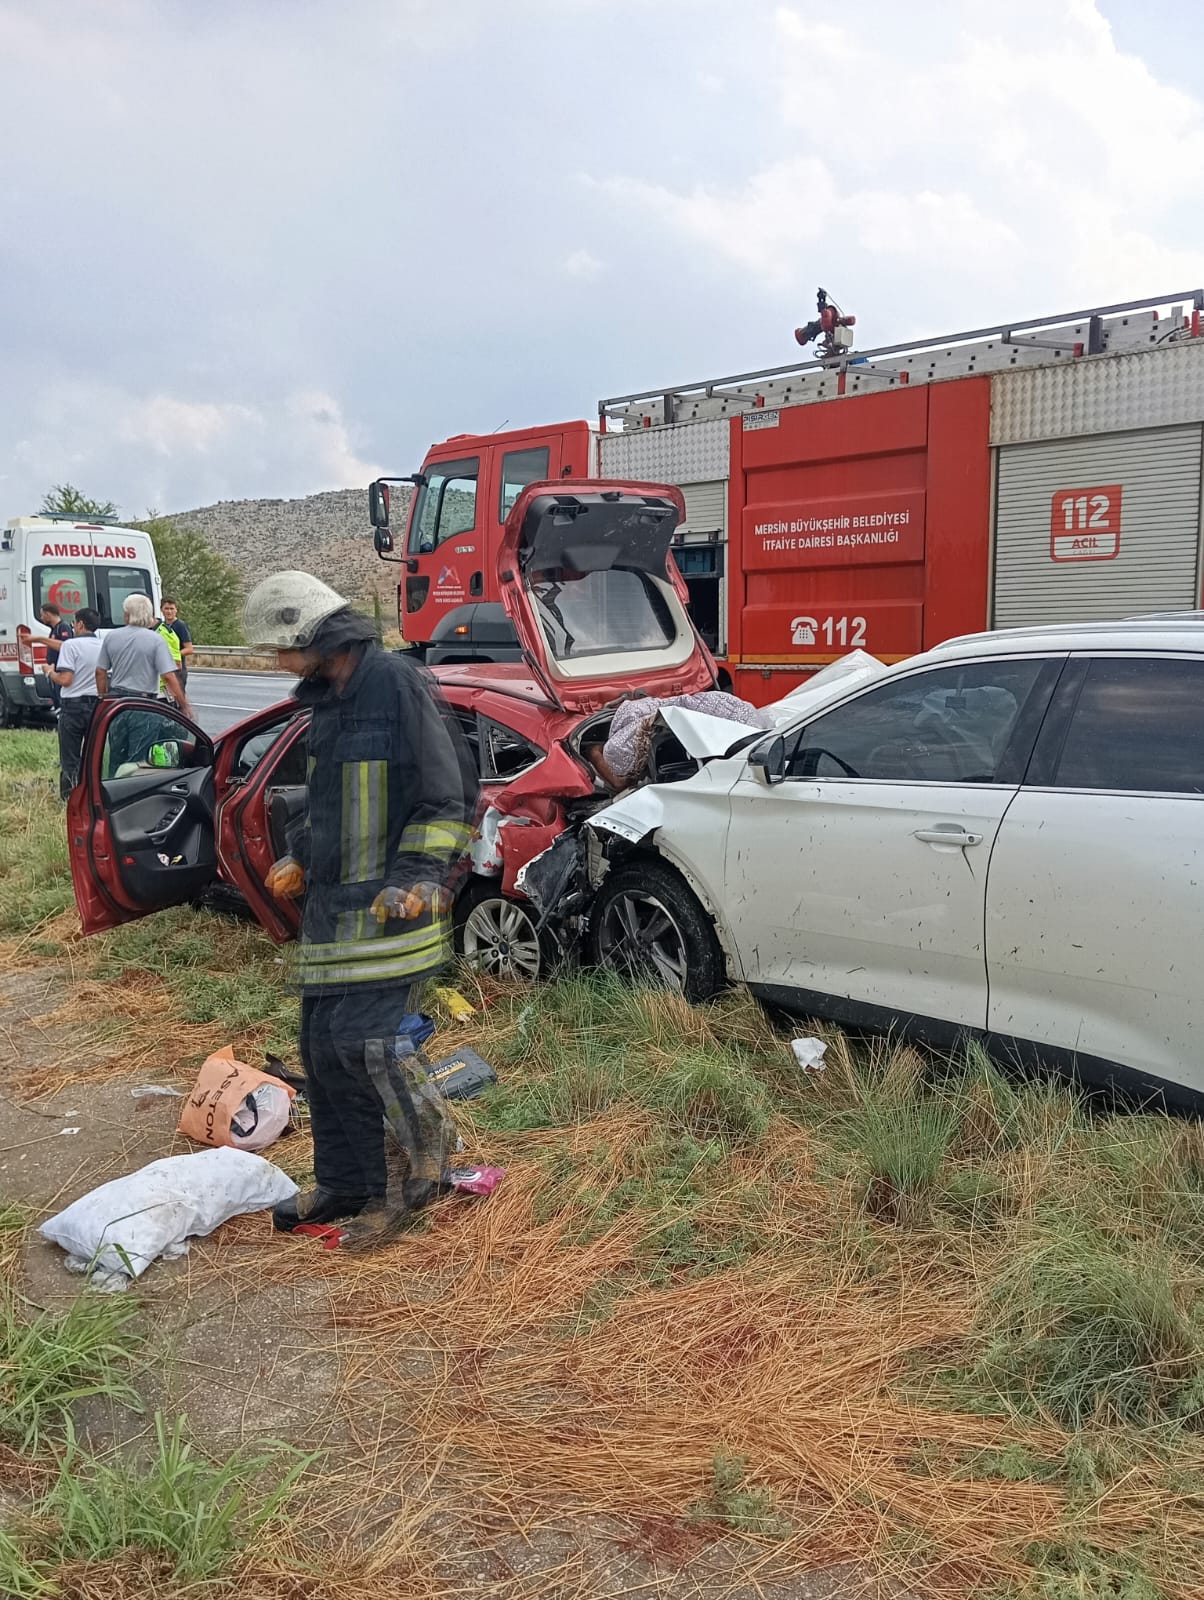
(173, 644)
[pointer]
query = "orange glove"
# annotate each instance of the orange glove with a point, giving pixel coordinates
(286, 878)
(410, 903)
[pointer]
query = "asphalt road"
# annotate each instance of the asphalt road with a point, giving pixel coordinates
(220, 699)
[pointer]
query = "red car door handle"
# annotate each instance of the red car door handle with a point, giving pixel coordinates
(950, 835)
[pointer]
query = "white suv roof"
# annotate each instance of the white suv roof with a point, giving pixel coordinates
(1170, 630)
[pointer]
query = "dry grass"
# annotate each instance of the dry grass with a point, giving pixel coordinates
(722, 1324)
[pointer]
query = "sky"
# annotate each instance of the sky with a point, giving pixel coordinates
(270, 247)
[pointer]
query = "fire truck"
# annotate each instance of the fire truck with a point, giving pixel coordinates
(884, 500)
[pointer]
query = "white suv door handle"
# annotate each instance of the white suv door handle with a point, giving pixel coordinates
(948, 834)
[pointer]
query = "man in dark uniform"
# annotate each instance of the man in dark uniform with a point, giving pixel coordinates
(389, 815)
(51, 617)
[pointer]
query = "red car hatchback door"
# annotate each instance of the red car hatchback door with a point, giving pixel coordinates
(587, 578)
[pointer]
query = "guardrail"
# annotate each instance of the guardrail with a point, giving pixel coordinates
(234, 657)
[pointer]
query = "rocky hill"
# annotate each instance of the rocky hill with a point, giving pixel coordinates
(326, 534)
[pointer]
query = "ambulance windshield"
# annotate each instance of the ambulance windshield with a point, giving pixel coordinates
(70, 585)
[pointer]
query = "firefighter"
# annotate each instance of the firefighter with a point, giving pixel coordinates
(390, 807)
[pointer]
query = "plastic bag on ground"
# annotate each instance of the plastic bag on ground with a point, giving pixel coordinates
(234, 1104)
(809, 1053)
(473, 1180)
(122, 1227)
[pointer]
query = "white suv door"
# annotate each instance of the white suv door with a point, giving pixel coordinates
(1095, 908)
(863, 875)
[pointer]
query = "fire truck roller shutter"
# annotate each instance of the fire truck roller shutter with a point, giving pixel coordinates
(706, 509)
(1096, 527)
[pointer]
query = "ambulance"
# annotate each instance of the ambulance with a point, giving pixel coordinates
(70, 563)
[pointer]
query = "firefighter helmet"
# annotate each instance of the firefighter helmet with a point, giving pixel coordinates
(285, 609)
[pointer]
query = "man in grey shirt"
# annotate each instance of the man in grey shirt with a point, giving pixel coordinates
(134, 658)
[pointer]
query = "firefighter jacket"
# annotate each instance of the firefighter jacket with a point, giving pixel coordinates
(391, 804)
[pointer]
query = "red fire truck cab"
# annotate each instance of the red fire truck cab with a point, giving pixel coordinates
(887, 500)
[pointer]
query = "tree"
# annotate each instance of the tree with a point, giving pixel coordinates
(65, 500)
(208, 588)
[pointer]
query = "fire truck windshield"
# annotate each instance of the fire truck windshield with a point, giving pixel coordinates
(446, 504)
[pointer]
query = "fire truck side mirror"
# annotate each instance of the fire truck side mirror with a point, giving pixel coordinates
(378, 508)
(383, 540)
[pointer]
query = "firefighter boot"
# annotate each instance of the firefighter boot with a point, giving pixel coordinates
(317, 1207)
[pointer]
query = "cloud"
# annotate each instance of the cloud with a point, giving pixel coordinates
(998, 159)
(581, 264)
(237, 265)
(171, 453)
(787, 209)
(169, 426)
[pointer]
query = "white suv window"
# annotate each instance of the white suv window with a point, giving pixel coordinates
(949, 725)
(1138, 724)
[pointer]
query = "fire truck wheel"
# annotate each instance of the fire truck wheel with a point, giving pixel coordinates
(498, 935)
(648, 926)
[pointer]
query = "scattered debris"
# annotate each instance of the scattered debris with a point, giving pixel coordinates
(462, 1076)
(454, 1003)
(275, 1068)
(473, 1180)
(144, 1091)
(809, 1053)
(234, 1104)
(414, 1029)
(114, 1233)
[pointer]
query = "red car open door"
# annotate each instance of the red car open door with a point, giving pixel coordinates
(140, 821)
(260, 795)
(162, 812)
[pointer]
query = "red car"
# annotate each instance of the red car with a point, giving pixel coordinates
(163, 812)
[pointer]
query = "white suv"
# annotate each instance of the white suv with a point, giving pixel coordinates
(1003, 837)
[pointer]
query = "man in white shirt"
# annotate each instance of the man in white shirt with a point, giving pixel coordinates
(74, 674)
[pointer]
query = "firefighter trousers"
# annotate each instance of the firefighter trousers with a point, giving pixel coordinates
(360, 1095)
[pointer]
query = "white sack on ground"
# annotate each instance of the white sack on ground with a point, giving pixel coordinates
(125, 1225)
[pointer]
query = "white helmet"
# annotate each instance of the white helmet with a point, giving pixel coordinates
(284, 610)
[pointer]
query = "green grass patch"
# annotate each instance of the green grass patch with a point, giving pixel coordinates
(28, 753)
(218, 969)
(22, 1577)
(1092, 1329)
(693, 1222)
(905, 1144)
(586, 1044)
(1071, 1570)
(734, 1502)
(35, 871)
(50, 1362)
(197, 1517)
